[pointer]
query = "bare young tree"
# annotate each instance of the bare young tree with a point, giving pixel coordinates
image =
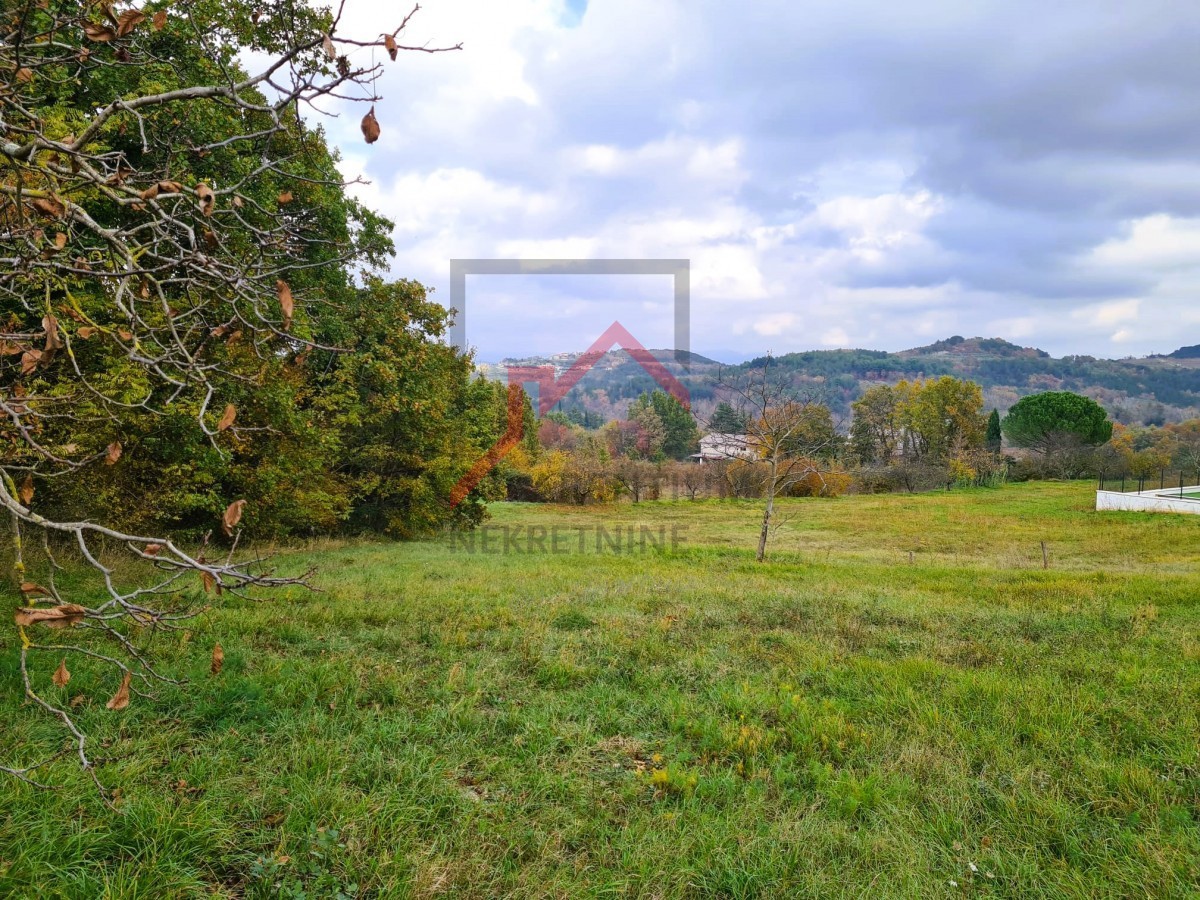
(788, 431)
(639, 478)
(129, 267)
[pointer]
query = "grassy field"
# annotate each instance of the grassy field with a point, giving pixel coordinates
(902, 702)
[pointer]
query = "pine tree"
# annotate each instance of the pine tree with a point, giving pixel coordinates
(994, 438)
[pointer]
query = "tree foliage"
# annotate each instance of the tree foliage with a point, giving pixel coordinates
(1057, 419)
(178, 308)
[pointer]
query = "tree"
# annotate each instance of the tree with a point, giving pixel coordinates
(1057, 421)
(406, 415)
(680, 435)
(651, 432)
(995, 436)
(726, 420)
(638, 477)
(780, 427)
(159, 266)
(875, 432)
(942, 418)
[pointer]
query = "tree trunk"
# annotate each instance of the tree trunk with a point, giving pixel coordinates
(768, 510)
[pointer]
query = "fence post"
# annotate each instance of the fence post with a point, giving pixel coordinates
(1181, 484)
(1162, 479)
(1122, 484)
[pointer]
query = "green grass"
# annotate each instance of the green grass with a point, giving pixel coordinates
(840, 721)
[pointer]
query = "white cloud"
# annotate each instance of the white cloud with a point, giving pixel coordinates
(841, 174)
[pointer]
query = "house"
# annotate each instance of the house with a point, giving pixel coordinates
(716, 446)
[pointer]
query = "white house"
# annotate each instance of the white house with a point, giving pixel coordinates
(717, 446)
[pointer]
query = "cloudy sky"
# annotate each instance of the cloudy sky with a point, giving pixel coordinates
(853, 173)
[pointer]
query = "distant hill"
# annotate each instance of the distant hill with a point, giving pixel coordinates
(1192, 352)
(1146, 391)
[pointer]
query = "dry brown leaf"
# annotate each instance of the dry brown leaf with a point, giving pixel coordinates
(26, 491)
(129, 20)
(65, 615)
(160, 20)
(149, 193)
(87, 331)
(125, 334)
(99, 33)
(25, 75)
(238, 202)
(285, 197)
(227, 418)
(31, 589)
(29, 361)
(120, 699)
(218, 659)
(153, 549)
(49, 206)
(113, 453)
(327, 44)
(370, 127)
(286, 303)
(62, 674)
(208, 580)
(60, 240)
(78, 700)
(207, 198)
(53, 338)
(390, 43)
(233, 515)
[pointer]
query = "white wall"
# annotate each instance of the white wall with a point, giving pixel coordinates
(1149, 501)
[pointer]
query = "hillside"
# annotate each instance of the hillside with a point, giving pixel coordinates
(1145, 391)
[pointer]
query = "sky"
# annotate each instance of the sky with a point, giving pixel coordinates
(855, 173)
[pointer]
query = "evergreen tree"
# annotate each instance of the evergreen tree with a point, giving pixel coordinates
(994, 435)
(727, 420)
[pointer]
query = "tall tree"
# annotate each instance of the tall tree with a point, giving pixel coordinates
(995, 436)
(876, 431)
(942, 418)
(680, 435)
(157, 264)
(726, 420)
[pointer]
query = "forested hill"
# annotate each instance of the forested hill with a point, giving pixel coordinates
(1152, 390)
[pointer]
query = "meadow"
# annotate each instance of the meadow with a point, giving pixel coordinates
(908, 699)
